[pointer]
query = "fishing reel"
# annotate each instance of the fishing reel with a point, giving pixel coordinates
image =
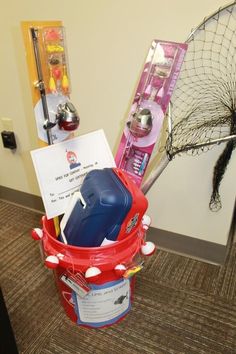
(67, 118)
(141, 123)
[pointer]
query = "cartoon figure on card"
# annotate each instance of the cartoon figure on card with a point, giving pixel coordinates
(72, 159)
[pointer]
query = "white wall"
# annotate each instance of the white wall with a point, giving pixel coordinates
(107, 44)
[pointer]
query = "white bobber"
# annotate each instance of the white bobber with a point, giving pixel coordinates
(92, 272)
(120, 269)
(51, 262)
(148, 248)
(37, 234)
(146, 221)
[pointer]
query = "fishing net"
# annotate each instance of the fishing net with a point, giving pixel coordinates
(204, 101)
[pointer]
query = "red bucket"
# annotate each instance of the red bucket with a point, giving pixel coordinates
(106, 296)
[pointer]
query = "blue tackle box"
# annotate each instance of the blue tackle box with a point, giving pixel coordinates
(98, 213)
(108, 207)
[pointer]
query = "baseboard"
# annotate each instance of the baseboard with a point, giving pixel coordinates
(192, 247)
(25, 199)
(189, 246)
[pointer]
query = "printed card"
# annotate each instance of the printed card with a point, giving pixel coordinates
(61, 168)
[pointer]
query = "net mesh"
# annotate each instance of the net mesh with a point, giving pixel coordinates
(204, 100)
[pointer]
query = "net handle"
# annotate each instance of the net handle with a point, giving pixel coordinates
(155, 173)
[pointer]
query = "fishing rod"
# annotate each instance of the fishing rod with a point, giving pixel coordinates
(41, 86)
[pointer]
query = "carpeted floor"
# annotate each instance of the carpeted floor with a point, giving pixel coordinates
(181, 305)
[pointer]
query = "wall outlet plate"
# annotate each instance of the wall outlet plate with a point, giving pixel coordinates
(8, 139)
